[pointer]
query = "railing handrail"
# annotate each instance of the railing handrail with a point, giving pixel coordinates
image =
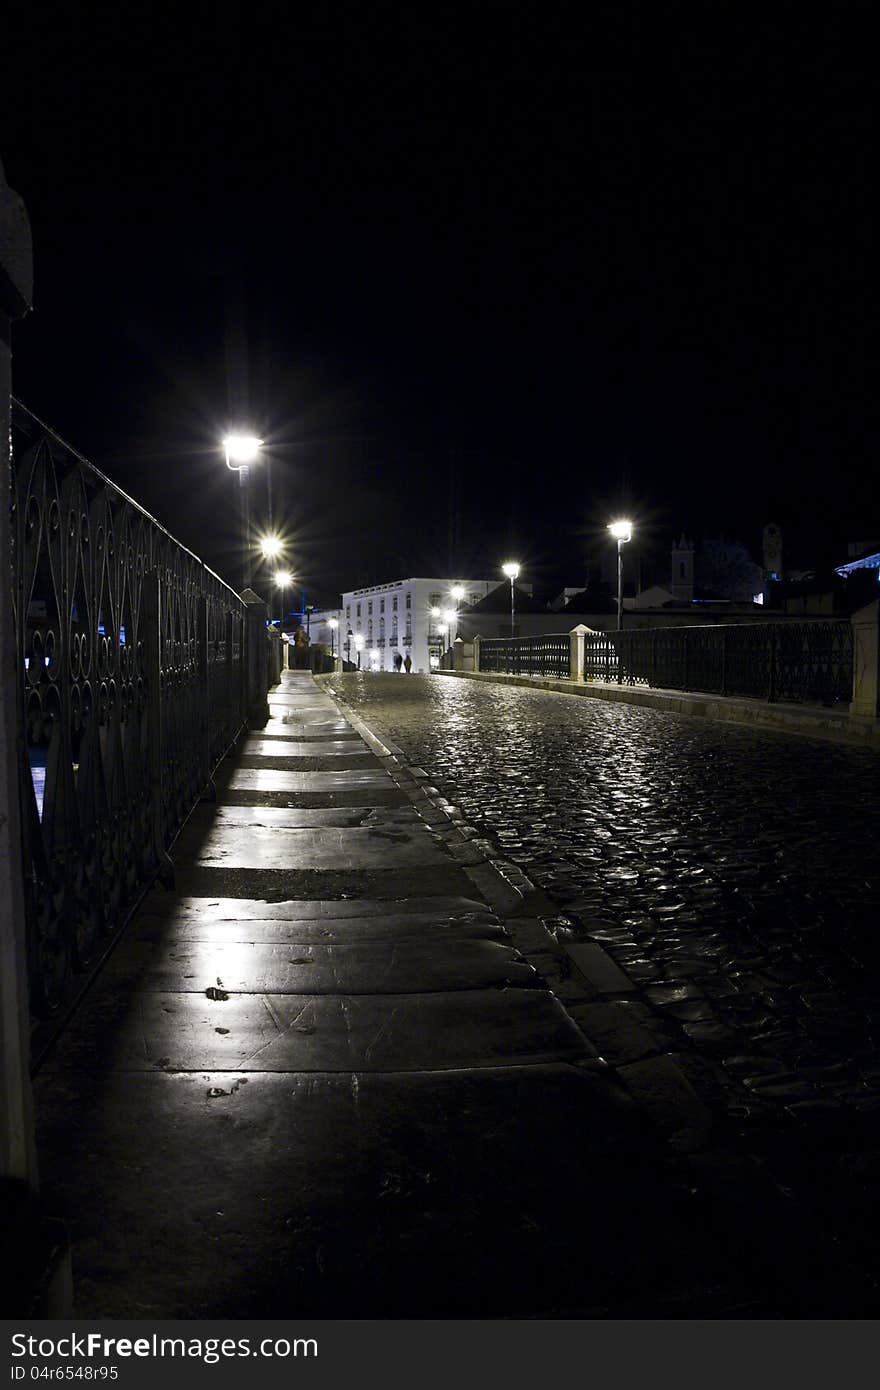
(18, 407)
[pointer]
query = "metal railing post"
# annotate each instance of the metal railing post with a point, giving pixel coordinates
(152, 639)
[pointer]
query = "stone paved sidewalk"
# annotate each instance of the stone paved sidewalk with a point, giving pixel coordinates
(325, 1075)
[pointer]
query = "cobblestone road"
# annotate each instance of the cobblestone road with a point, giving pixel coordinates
(732, 874)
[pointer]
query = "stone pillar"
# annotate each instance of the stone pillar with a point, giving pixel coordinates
(462, 655)
(576, 652)
(256, 659)
(866, 662)
(36, 1249)
(17, 1151)
(476, 653)
(276, 656)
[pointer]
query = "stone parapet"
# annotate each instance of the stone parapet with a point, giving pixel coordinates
(813, 722)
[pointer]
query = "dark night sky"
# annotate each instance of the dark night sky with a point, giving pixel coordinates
(574, 259)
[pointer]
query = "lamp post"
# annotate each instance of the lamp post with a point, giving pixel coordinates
(450, 618)
(241, 450)
(622, 532)
(359, 644)
(333, 624)
(283, 580)
(456, 593)
(349, 638)
(442, 630)
(435, 614)
(270, 549)
(511, 569)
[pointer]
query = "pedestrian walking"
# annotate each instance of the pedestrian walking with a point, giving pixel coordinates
(398, 661)
(407, 661)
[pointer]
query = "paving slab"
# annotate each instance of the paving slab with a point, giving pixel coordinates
(295, 817)
(326, 930)
(205, 910)
(320, 847)
(262, 779)
(294, 1033)
(376, 794)
(278, 885)
(276, 747)
(362, 967)
(316, 730)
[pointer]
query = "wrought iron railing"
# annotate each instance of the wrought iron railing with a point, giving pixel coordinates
(131, 688)
(803, 662)
(527, 656)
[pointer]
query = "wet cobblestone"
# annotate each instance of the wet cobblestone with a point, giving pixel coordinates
(732, 874)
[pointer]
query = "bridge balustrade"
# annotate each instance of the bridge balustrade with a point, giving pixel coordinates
(527, 656)
(132, 660)
(798, 662)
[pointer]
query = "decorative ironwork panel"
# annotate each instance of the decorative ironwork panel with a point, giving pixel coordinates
(527, 656)
(809, 661)
(110, 690)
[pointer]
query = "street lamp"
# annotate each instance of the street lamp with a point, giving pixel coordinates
(622, 532)
(271, 547)
(359, 644)
(450, 617)
(282, 580)
(333, 624)
(511, 569)
(349, 638)
(241, 451)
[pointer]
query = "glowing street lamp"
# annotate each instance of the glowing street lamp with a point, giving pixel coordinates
(333, 624)
(622, 532)
(511, 569)
(241, 450)
(282, 579)
(271, 547)
(359, 644)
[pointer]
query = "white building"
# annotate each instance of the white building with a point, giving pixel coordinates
(397, 618)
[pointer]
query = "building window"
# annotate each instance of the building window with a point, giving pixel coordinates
(359, 610)
(348, 612)
(681, 569)
(370, 629)
(409, 600)
(394, 603)
(370, 606)
(382, 629)
(475, 598)
(381, 605)
(434, 601)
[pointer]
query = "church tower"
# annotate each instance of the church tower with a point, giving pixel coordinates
(772, 552)
(682, 570)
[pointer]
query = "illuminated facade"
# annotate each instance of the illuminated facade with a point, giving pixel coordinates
(396, 619)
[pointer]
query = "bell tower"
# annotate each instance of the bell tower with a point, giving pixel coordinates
(682, 570)
(772, 552)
